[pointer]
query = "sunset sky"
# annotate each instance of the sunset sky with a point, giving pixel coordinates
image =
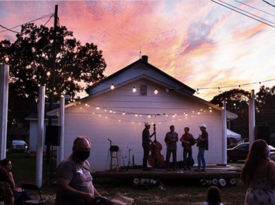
(200, 43)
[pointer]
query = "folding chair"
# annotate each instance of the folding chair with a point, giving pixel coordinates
(34, 188)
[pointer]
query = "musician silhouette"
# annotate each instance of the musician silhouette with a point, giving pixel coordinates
(171, 139)
(202, 143)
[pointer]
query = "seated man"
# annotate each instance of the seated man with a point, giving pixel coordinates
(74, 180)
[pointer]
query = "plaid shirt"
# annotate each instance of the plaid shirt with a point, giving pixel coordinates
(171, 139)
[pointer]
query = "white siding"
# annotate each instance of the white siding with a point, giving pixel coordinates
(84, 120)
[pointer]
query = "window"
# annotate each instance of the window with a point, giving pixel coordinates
(143, 90)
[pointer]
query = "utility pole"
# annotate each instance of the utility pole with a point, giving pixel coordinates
(52, 78)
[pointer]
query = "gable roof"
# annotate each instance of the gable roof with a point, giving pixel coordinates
(138, 69)
(141, 69)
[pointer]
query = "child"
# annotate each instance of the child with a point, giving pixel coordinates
(213, 196)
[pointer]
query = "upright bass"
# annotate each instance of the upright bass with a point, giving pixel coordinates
(156, 158)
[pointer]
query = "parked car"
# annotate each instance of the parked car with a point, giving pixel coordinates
(18, 146)
(240, 152)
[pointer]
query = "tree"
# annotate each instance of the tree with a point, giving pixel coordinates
(265, 110)
(236, 102)
(30, 59)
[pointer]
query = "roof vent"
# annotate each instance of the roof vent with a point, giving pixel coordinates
(144, 58)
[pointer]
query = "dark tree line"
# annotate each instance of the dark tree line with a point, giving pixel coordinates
(31, 65)
(237, 102)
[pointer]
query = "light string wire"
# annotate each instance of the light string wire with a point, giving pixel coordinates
(230, 86)
(149, 116)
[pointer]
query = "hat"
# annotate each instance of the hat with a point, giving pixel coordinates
(203, 125)
(147, 124)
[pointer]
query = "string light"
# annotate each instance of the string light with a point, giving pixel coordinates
(112, 87)
(232, 86)
(174, 115)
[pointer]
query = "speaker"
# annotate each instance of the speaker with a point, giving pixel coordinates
(52, 136)
(263, 132)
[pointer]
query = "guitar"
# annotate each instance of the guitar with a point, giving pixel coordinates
(188, 143)
(198, 140)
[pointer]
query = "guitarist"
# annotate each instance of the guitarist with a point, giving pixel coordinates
(188, 141)
(202, 143)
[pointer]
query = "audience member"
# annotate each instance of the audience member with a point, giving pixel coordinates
(74, 180)
(258, 174)
(213, 196)
(17, 191)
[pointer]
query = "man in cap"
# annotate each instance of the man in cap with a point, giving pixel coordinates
(146, 139)
(202, 143)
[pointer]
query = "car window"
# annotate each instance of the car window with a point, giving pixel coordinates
(243, 147)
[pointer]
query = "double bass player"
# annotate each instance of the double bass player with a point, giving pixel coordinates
(146, 140)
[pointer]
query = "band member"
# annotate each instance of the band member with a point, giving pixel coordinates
(171, 139)
(146, 139)
(202, 143)
(188, 141)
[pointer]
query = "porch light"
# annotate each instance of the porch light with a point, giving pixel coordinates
(134, 89)
(156, 91)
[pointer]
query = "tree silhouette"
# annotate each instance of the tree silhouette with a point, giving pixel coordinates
(236, 102)
(30, 59)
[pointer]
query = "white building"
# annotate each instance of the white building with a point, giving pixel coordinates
(119, 114)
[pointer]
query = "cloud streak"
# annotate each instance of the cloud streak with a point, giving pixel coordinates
(198, 42)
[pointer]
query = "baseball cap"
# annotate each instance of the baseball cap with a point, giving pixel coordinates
(203, 125)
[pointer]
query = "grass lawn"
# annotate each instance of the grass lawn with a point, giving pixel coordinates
(174, 192)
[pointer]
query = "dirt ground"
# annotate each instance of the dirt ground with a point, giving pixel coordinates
(170, 192)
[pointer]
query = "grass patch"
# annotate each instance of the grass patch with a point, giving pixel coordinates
(175, 191)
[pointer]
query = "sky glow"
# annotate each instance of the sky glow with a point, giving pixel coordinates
(200, 43)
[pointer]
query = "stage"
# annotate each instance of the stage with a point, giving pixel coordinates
(212, 172)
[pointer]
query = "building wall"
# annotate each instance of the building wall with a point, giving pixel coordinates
(125, 130)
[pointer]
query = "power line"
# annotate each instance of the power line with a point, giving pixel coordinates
(49, 19)
(255, 8)
(269, 3)
(10, 29)
(244, 13)
(7, 29)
